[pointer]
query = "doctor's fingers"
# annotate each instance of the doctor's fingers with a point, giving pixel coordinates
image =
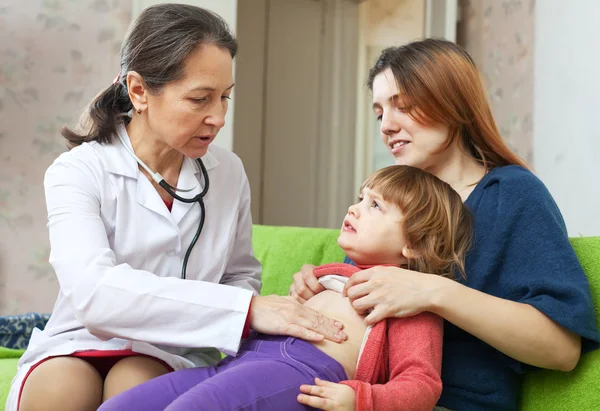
(315, 322)
(297, 331)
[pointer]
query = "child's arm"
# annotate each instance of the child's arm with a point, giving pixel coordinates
(415, 361)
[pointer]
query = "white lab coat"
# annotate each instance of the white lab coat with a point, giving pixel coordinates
(117, 252)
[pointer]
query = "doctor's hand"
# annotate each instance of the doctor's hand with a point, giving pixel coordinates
(305, 284)
(276, 315)
(385, 292)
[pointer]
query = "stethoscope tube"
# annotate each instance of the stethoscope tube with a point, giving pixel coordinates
(172, 192)
(196, 199)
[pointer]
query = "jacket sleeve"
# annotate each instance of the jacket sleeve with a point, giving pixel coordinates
(415, 362)
(243, 269)
(115, 300)
(527, 256)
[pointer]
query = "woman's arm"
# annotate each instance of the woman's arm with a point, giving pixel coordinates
(516, 329)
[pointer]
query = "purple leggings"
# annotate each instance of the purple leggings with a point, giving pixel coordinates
(265, 375)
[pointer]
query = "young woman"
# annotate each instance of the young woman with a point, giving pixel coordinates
(525, 300)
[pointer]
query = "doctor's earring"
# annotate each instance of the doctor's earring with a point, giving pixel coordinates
(130, 112)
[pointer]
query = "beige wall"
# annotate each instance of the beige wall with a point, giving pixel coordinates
(55, 56)
(500, 37)
(393, 22)
(566, 135)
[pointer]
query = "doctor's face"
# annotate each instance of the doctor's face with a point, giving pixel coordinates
(188, 113)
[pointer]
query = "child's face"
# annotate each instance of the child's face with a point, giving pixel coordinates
(372, 231)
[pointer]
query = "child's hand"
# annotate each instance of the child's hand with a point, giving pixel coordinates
(327, 395)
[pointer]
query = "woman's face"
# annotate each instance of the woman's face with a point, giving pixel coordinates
(188, 113)
(410, 142)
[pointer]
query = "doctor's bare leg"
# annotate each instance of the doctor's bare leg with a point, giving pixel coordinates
(68, 383)
(62, 383)
(129, 372)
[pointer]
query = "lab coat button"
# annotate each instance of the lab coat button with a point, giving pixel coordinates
(171, 252)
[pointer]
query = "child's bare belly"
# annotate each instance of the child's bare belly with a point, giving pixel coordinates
(336, 306)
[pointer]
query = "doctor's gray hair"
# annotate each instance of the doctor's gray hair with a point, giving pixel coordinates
(156, 47)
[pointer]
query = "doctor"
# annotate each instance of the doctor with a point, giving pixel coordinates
(121, 240)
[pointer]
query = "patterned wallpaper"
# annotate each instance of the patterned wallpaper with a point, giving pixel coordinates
(499, 34)
(55, 56)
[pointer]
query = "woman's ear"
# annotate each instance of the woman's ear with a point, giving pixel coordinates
(137, 91)
(409, 252)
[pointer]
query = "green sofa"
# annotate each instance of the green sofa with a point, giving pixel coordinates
(283, 250)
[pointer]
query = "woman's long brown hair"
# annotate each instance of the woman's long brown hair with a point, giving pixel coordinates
(440, 82)
(435, 222)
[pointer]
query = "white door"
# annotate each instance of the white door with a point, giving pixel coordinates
(440, 18)
(295, 108)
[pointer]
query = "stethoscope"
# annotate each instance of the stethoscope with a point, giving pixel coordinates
(199, 198)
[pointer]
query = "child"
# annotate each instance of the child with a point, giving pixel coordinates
(405, 217)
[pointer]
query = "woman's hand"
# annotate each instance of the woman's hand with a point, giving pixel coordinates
(327, 395)
(278, 315)
(390, 292)
(305, 284)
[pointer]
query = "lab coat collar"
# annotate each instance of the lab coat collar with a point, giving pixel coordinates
(119, 161)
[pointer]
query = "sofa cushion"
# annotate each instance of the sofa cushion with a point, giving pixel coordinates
(8, 368)
(15, 330)
(578, 389)
(283, 250)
